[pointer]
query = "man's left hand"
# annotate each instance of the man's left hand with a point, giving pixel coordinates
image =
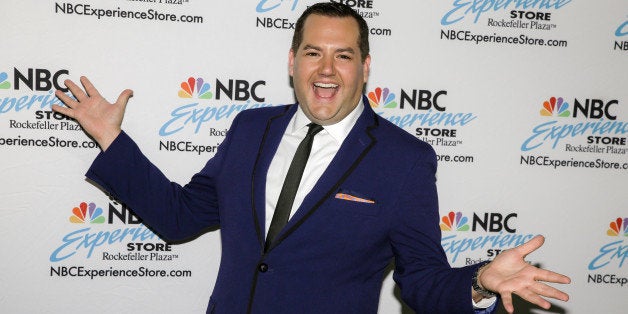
(509, 273)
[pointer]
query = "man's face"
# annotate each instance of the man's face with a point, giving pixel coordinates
(327, 70)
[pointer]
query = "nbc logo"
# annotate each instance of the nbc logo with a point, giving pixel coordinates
(618, 228)
(382, 97)
(196, 87)
(454, 222)
(555, 106)
(4, 84)
(87, 213)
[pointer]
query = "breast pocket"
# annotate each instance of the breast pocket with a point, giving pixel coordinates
(350, 207)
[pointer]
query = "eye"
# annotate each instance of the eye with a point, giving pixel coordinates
(311, 53)
(344, 57)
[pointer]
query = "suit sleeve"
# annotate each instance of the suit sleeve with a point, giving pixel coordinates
(175, 212)
(428, 283)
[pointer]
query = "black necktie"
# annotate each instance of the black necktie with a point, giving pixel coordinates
(291, 184)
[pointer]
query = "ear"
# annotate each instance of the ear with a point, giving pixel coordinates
(366, 67)
(291, 62)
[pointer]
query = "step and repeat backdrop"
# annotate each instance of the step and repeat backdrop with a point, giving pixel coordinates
(525, 102)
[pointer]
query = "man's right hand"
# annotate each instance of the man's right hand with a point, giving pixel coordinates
(99, 118)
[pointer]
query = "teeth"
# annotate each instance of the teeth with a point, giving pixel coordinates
(326, 85)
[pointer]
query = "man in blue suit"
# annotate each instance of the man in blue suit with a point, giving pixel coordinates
(367, 195)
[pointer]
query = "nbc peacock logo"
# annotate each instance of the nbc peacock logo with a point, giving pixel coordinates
(195, 88)
(618, 227)
(555, 107)
(382, 98)
(4, 84)
(454, 222)
(87, 213)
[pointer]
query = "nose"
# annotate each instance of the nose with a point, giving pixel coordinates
(327, 66)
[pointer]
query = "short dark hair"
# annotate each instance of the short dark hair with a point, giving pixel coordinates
(333, 9)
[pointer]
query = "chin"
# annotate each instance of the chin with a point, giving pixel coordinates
(323, 116)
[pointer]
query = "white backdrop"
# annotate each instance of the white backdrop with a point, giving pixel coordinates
(471, 78)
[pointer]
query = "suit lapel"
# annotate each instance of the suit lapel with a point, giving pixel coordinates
(353, 149)
(275, 128)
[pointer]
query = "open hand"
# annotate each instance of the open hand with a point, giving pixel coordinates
(99, 118)
(509, 273)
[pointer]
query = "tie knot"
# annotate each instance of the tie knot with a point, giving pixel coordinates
(313, 128)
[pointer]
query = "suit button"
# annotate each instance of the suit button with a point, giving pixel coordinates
(262, 268)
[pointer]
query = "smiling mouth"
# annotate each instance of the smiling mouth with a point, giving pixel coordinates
(325, 90)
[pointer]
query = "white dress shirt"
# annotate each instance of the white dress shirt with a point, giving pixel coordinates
(325, 146)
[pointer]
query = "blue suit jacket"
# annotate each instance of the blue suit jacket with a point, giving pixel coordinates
(331, 256)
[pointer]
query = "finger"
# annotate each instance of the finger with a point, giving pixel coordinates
(507, 302)
(63, 110)
(67, 100)
(123, 99)
(78, 93)
(549, 291)
(550, 276)
(89, 87)
(530, 246)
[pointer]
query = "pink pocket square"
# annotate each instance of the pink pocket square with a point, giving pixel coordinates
(352, 198)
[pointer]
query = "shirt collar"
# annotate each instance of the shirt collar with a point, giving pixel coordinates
(338, 131)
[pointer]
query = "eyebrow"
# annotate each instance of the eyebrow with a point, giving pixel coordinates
(340, 50)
